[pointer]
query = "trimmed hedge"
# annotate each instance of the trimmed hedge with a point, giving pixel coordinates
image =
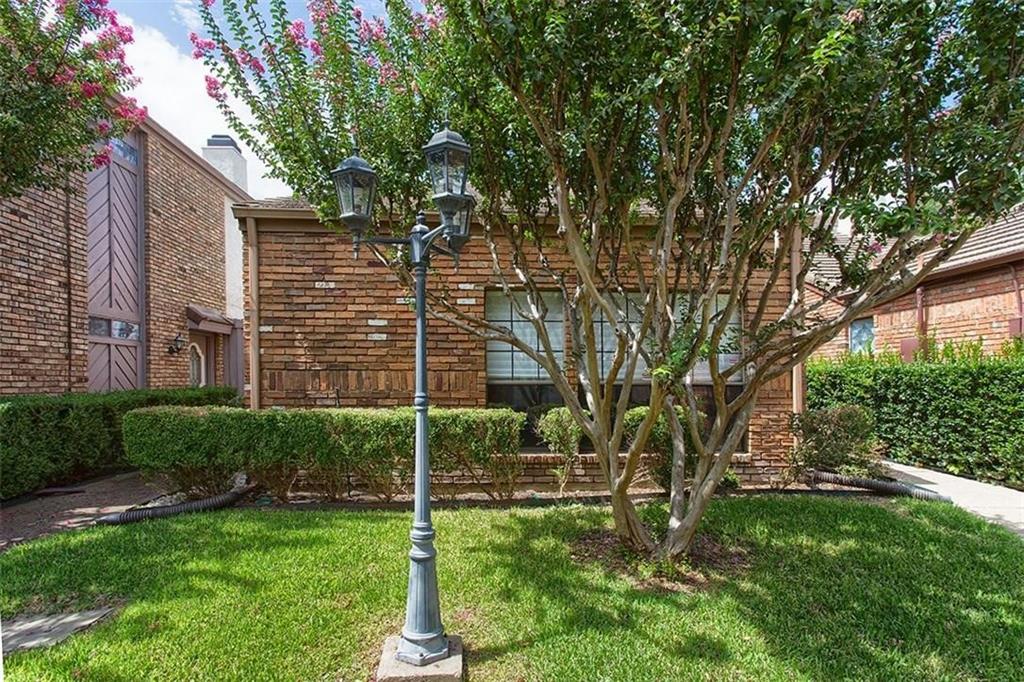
(964, 415)
(559, 431)
(200, 448)
(46, 440)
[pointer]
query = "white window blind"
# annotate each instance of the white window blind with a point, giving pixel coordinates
(508, 364)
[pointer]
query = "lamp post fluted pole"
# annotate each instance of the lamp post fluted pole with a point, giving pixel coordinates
(423, 640)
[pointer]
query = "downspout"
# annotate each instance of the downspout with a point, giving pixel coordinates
(254, 313)
(795, 266)
(67, 275)
(1017, 290)
(922, 323)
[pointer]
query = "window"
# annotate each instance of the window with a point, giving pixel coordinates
(196, 366)
(118, 329)
(729, 348)
(508, 364)
(607, 342)
(862, 335)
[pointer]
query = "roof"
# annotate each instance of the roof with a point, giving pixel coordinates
(993, 242)
(997, 242)
(280, 202)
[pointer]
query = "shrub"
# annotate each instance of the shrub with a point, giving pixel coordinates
(560, 431)
(840, 439)
(964, 414)
(659, 444)
(200, 448)
(562, 435)
(47, 440)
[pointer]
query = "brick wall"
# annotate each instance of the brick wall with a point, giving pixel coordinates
(338, 331)
(34, 293)
(184, 255)
(968, 307)
(840, 343)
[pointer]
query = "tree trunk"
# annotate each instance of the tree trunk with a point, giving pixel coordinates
(628, 526)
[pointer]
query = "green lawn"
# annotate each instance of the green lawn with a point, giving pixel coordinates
(833, 589)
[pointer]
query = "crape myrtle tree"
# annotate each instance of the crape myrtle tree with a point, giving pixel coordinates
(655, 164)
(62, 69)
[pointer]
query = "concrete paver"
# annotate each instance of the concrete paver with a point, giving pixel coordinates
(1004, 506)
(44, 515)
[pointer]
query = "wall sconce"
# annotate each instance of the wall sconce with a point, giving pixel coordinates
(177, 345)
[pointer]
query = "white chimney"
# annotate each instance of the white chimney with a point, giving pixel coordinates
(223, 154)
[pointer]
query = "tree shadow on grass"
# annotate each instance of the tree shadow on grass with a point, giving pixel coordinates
(835, 589)
(209, 581)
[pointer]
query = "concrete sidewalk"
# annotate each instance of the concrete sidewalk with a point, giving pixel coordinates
(1004, 506)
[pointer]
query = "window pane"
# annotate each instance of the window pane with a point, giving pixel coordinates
(99, 327)
(506, 363)
(862, 335)
(124, 330)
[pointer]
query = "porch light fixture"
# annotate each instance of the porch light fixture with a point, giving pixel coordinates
(176, 345)
(423, 640)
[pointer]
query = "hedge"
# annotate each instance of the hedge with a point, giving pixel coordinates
(560, 431)
(47, 440)
(964, 415)
(199, 448)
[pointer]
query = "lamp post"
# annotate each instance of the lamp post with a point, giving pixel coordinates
(423, 639)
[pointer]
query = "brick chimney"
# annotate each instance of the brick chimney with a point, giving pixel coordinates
(224, 154)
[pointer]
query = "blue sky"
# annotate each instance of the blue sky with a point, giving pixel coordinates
(172, 84)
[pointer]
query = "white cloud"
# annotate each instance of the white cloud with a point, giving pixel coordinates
(173, 88)
(187, 14)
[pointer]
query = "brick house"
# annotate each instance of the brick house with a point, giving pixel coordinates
(128, 280)
(325, 329)
(975, 295)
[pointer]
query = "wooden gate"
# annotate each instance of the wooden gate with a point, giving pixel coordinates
(115, 271)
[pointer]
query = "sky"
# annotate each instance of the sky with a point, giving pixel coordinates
(172, 85)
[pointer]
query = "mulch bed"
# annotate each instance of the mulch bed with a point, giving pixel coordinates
(707, 564)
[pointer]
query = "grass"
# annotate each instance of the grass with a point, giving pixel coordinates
(832, 589)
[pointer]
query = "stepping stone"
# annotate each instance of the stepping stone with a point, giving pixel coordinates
(33, 632)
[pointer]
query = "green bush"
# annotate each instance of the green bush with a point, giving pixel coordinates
(46, 440)
(200, 448)
(840, 439)
(964, 415)
(560, 431)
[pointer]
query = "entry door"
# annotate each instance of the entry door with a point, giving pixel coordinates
(115, 277)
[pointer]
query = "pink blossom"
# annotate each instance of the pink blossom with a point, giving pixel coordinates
(357, 13)
(388, 73)
(91, 89)
(64, 76)
(434, 16)
(320, 11)
(245, 58)
(296, 32)
(315, 48)
(208, 3)
(116, 34)
(215, 89)
(875, 248)
(372, 61)
(129, 110)
(102, 157)
(203, 46)
(104, 127)
(32, 70)
(854, 16)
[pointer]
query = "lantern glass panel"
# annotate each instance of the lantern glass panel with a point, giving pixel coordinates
(461, 222)
(362, 194)
(436, 164)
(343, 185)
(458, 161)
